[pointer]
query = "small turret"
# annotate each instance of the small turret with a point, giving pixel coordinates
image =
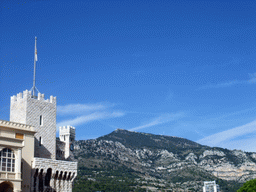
(67, 135)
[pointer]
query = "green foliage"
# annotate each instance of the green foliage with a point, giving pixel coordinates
(249, 186)
(228, 186)
(107, 184)
(105, 179)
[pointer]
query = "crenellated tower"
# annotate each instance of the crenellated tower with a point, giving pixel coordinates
(41, 114)
(67, 135)
(37, 160)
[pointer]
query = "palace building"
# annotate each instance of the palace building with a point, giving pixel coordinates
(31, 158)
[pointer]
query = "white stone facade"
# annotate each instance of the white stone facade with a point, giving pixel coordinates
(210, 186)
(67, 135)
(16, 149)
(53, 175)
(48, 172)
(41, 114)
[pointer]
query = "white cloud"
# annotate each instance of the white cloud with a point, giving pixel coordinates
(81, 108)
(232, 83)
(247, 144)
(78, 114)
(252, 78)
(91, 117)
(159, 120)
(232, 138)
(221, 85)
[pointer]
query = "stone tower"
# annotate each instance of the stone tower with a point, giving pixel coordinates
(41, 114)
(67, 135)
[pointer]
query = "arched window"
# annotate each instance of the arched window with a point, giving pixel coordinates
(7, 160)
(48, 177)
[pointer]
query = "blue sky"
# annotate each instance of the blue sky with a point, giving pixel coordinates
(178, 68)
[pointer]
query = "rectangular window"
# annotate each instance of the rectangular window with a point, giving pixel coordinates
(19, 136)
(7, 163)
(40, 141)
(41, 120)
(21, 170)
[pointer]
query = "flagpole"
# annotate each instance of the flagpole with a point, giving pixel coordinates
(34, 80)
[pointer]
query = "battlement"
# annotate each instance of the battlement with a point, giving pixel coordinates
(68, 130)
(41, 114)
(27, 94)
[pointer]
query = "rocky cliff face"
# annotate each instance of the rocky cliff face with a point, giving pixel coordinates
(165, 157)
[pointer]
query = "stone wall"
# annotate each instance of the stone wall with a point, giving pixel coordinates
(55, 165)
(60, 175)
(27, 109)
(60, 150)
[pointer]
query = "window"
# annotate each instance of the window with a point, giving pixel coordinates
(7, 160)
(48, 177)
(21, 168)
(19, 136)
(40, 141)
(41, 120)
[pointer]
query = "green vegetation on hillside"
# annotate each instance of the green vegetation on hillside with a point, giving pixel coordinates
(99, 179)
(132, 161)
(249, 186)
(123, 179)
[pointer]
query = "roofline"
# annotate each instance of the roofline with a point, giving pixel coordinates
(17, 126)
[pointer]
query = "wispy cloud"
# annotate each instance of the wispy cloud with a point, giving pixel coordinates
(226, 84)
(159, 120)
(231, 137)
(78, 114)
(232, 83)
(91, 117)
(81, 108)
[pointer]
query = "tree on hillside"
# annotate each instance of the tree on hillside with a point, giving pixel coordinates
(249, 186)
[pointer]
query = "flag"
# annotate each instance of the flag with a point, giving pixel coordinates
(35, 52)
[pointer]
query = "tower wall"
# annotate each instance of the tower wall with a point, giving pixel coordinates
(18, 108)
(67, 135)
(41, 114)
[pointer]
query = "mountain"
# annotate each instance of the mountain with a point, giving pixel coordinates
(162, 162)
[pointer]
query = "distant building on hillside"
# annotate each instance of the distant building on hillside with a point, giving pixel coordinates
(31, 159)
(210, 186)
